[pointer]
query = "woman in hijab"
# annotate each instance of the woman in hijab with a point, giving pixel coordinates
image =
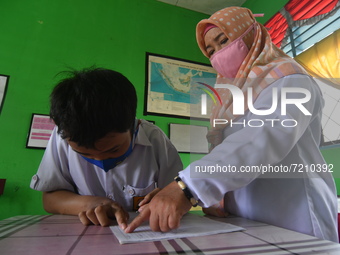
(264, 156)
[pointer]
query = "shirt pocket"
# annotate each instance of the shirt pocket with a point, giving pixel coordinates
(139, 192)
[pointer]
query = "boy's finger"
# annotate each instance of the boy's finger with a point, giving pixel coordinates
(121, 218)
(102, 216)
(143, 216)
(91, 215)
(104, 221)
(83, 219)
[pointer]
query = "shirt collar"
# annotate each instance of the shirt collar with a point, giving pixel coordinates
(141, 137)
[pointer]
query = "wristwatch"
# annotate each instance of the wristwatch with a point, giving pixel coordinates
(186, 191)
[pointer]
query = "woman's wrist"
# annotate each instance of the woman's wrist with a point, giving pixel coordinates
(186, 191)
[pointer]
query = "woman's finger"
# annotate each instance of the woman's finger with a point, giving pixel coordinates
(148, 197)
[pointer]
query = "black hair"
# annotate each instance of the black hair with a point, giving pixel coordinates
(92, 102)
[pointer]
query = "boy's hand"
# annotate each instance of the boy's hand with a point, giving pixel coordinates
(103, 215)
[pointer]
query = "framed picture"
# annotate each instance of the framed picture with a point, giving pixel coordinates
(3, 88)
(330, 114)
(174, 87)
(189, 138)
(40, 131)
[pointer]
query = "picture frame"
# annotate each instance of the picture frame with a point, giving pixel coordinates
(2, 186)
(41, 128)
(189, 138)
(330, 120)
(4, 79)
(173, 87)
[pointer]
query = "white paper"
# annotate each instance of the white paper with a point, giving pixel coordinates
(191, 225)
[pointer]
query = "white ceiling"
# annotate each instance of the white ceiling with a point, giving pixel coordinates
(204, 6)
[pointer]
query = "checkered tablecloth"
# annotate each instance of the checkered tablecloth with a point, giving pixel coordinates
(60, 234)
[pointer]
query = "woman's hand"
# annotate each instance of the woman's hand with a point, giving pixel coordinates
(216, 210)
(147, 199)
(164, 211)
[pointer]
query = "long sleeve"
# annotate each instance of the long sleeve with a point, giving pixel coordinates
(254, 140)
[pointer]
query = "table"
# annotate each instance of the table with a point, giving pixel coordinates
(61, 234)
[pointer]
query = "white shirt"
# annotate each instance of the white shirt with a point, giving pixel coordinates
(305, 202)
(154, 162)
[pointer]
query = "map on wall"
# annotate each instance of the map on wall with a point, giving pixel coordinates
(175, 87)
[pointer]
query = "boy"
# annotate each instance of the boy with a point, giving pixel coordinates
(101, 161)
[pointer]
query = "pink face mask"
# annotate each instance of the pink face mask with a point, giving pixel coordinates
(228, 60)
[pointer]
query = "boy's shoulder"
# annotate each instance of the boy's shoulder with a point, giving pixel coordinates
(148, 126)
(150, 129)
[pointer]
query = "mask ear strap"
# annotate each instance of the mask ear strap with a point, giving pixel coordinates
(248, 30)
(135, 124)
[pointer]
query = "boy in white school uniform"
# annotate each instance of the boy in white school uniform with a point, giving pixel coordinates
(101, 161)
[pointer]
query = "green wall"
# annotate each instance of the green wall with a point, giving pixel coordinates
(332, 156)
(40, 38)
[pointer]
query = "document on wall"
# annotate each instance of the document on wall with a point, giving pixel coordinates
(191, 225)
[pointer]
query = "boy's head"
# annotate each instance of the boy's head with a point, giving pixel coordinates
(91, 103)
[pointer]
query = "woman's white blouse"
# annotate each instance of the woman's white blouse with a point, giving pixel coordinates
(303, 201)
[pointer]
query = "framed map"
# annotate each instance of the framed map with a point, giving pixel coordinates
(174, 87)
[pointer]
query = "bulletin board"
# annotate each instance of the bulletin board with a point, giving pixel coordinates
(189, 138)
(40, 131)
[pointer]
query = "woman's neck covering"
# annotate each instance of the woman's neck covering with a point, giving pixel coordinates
(264, 64)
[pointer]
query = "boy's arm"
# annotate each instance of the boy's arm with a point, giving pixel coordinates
(90, 209)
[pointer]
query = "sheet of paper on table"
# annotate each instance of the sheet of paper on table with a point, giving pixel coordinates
(191, 225)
